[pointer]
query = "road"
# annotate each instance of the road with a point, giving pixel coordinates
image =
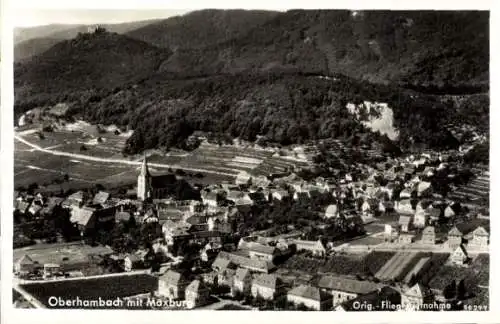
(117, 161)
(221, 303)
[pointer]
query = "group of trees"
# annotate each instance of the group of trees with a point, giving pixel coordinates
(454, 291)
(283, 108)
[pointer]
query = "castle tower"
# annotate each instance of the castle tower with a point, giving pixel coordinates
(144, 182)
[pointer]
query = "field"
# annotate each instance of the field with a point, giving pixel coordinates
(221, 163)
(348, 265)
(78, 255)
(235, 159)
(395, 268)
(476, 192)
(107, 288)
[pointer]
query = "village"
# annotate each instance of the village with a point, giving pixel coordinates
(407, 232)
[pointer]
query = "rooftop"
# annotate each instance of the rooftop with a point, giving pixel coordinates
(347, 285)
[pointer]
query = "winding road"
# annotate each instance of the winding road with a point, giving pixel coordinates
(118, 161)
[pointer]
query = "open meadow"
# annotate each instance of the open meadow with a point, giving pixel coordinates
(57, 160)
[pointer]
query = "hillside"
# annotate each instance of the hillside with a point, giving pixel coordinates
(284, 108)
(31, 47)
(36, 40)
(89, 61)
(201, 28)
(414, 49)
(287, 77)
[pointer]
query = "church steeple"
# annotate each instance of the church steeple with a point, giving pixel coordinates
(144, 181)
(144, 168)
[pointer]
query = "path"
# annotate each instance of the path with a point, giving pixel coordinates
(221, 303)
(108, 160)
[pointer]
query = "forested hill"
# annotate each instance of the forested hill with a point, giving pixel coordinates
(96, 61)
(425, 49)
(31, 41)
(199, 29)
(286, 76)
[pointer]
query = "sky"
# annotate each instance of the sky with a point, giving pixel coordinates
(44, 12)
(38, 17)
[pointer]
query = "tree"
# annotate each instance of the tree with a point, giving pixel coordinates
(461, 290)
(450, 291)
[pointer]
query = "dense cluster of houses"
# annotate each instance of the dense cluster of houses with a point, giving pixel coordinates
(401, 186)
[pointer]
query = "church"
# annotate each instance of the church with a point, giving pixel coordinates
(153, 187)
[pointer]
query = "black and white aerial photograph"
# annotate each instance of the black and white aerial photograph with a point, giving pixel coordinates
(237, 159)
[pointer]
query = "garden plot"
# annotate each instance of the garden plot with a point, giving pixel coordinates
(107, 287)
(395, 267)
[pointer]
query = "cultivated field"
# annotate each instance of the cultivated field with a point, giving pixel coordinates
(217, 163)
(108, 288)
(395, 267)
(349, 265)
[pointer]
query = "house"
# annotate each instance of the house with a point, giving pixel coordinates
(421, 218)
(172, 284)
(51, 205)
(267, 286)
(406, 238)
(404, 223)
(280, 194)
(235, 195)
(209, 198)
(178, 233)
(243, 178)
(256, 250)
(429, 171)
(242, 282)
(35, 208)
(416, 296)
(383, 299)
(301, 196)
(51, 269)
(429, 235)
(242, 260)
(316, 247)
(226, 269)
(100, 198)
(480, 238)
(76, 199)
(434, 214)
(22, 206)
(197, 293)
(24, 265)
(343, 289)
(454, 238)
(424, 188)
(84, 218)
(311, 297)
(366, 207)
(404, 207)
(332, 211)
(459, 256)
(449, 212)
(131, 262)
(390, 232)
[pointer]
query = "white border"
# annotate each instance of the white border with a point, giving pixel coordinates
(10, 315)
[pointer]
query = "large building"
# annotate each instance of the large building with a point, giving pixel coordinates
(153, 187)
